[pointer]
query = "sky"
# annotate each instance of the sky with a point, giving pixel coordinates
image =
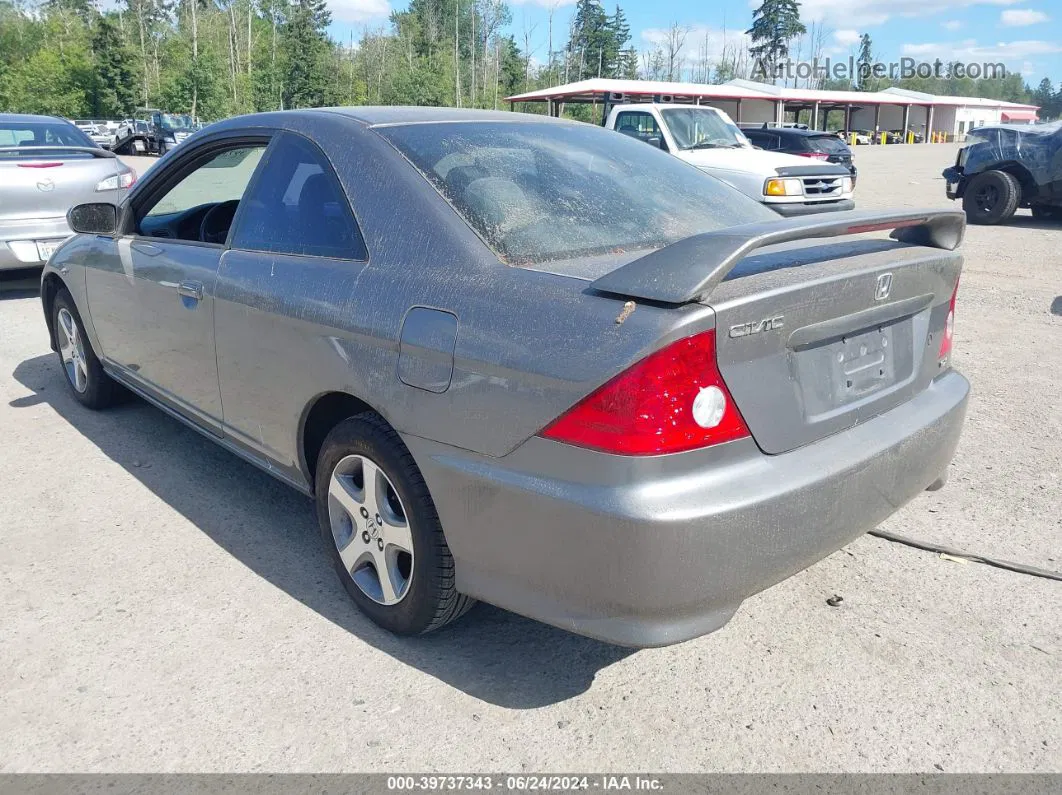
(1025, 35)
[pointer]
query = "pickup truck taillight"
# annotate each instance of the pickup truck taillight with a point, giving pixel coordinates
(949, 329)
(671, 401)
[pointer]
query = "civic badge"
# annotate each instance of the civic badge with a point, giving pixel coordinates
(45, 185)
(881, 292)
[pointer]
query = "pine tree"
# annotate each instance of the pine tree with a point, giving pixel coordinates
(114, 90)
(774, 25)
(307, 50)
(616, 50)
(864, 62)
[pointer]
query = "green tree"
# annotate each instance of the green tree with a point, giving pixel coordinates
(864, 62)
(774, 24)
(114, 89)
(307, 50)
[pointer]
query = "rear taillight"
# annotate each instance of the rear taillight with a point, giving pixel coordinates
(815, 155)
(949, 329)
(39, 165)
(672, 400)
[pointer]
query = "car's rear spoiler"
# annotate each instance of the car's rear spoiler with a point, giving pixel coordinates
(690, 269)
(95, 151)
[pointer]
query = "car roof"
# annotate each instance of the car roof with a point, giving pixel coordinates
(795, 131)
(17, 118)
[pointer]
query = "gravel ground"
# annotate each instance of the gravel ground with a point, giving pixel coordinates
(169, 608)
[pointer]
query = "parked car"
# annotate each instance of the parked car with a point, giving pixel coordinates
(862, 137)
(901, 137)
(810, 144)
(47, 165)
(98, 136)
(1006, 166)
(706, 137)
(522, 359)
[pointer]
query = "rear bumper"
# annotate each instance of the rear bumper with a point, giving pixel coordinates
(793, 210)
(18, 240)
(653, 551)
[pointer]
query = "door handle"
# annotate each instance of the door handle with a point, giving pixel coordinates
(193, 290)
(145, 248)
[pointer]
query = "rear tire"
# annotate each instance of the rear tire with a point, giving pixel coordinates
(991, 198)
(82, 371)
(379, 523)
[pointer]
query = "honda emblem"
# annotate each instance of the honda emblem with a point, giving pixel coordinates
(881, 292)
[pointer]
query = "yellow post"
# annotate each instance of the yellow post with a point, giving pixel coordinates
(884, 136)
(851, 139)
(910, 137)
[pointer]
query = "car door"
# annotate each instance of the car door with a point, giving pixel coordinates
(151, 297)
(285, 288)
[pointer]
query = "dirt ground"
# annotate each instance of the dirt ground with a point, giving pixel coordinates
(169, 608)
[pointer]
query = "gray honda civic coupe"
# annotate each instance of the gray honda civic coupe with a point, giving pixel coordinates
(523, 360)
(47, 166)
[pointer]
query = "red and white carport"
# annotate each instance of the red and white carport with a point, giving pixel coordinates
(746, 101)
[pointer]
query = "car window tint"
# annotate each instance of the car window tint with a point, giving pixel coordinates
(828, 143)
(297, 206)
(222, 178)
(540, 191)
(32, 134)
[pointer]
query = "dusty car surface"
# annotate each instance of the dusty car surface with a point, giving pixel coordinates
(523, 360)
(1007, 166)
(47, 165)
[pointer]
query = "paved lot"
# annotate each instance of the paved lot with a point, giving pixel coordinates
(167, 607)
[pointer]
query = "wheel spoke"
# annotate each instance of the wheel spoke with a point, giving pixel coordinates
(349, 497)
(375, 486)
(354, 553)
(398, 536)
(387, 571)
(80, 374)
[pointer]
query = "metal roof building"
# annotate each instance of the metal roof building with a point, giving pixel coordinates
(750, 102)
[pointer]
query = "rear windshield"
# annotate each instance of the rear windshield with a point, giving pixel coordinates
(540, 191)
(28, 135)
(828, 143)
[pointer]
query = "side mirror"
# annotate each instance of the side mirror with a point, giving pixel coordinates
(656, 141)
(98, 218)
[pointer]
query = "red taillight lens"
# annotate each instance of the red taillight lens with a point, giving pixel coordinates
(949, 328)
(814, 155)
(39, 165)
(672, 400)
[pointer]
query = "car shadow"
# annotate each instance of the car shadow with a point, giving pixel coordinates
(1026, 221)
(491, 654)
(23, 283)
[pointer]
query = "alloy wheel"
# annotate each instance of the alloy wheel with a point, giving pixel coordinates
(370, 529)
(72, 350)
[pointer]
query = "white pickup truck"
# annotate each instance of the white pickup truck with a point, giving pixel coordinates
(706, 138)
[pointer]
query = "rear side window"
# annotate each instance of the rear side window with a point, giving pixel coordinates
(297, 206)
(830, 144)
(536, 191)
(638, 124)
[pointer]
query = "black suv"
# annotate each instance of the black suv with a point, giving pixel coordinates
(813, 144)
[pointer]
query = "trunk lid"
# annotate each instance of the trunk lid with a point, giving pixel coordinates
(48, 184)
(812, 339)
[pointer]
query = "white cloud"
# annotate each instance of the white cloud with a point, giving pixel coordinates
(951, 24)
(358, 10)
(846, 37)
(969, 51)
(1020, 17)
(862, 14)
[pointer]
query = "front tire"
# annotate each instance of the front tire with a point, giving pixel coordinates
(379, 523)
(84, 374)
(991, 198)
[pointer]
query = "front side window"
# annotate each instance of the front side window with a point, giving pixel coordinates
(297, 206)
(215, 187)
(538, 191)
